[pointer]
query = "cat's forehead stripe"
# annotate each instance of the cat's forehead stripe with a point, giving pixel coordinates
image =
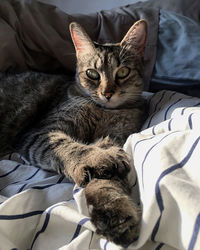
(106, 59)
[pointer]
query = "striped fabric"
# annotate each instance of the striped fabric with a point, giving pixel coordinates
(166, 157)
(41, 210)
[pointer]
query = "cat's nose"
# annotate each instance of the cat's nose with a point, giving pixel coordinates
(107, 95)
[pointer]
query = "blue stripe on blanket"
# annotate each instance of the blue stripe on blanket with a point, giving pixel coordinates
(157, 188)
(159, 105)
(142, 140)
(78, 228)
(16, 182)
(21, 188)
(13, 170)
(195, 105)
(159, 246)
(195, 233)
(169, 107)
(105, 245)
(76, 190)
(183, 110)
(170, 124)
(46, 221)
(155, 109)
(50, 185)
(153, 130)
(42, 187)
(34, 174)
(20, 216)
(174, 93)
(145, 157)
(92, 234)
(190, 120)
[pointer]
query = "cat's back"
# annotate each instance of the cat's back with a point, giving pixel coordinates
(22, 86)
(25, 98)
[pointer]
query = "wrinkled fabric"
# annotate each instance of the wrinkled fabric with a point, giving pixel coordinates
(42, 210)
(178, 51)
(36, 36)
(186, 8)
(166, 159)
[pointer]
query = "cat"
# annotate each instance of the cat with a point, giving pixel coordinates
(78, 128)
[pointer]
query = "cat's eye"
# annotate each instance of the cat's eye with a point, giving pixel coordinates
(92, 74)
(123, 72)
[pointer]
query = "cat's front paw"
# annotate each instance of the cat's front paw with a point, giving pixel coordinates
(113, 213)
(101, 163)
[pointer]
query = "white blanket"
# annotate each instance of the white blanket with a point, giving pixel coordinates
(43, 211)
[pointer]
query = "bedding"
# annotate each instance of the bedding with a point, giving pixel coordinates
(178, 54)
(35, 36)
(42, 210)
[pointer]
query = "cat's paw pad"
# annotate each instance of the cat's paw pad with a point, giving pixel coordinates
(115, 216)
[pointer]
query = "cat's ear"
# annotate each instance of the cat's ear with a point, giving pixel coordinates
(82, 42)
(136, 37)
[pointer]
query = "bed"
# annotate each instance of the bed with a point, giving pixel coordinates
(42, 210)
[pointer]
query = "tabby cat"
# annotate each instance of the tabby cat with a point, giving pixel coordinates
(78, 129)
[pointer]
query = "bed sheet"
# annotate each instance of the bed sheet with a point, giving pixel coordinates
(42, 210)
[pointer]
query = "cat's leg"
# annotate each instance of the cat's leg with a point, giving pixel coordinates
(102, 159)
(57, 143)
(112, 211)
(57, 151)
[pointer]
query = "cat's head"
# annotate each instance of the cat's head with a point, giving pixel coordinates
(112, 74)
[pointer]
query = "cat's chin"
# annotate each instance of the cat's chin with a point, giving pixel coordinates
(111, 104)
(115, 103)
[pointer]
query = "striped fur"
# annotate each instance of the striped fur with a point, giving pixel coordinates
(73, 128)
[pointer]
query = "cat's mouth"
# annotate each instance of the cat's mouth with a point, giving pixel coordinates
(111, 103)
(117, 101)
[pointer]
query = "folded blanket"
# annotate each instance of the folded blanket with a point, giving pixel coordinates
(41, 210)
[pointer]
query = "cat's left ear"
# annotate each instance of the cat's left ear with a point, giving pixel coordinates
(82, 42)
(136, 37)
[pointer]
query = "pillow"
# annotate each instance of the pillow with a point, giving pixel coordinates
(178, 53)
(187, 8)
